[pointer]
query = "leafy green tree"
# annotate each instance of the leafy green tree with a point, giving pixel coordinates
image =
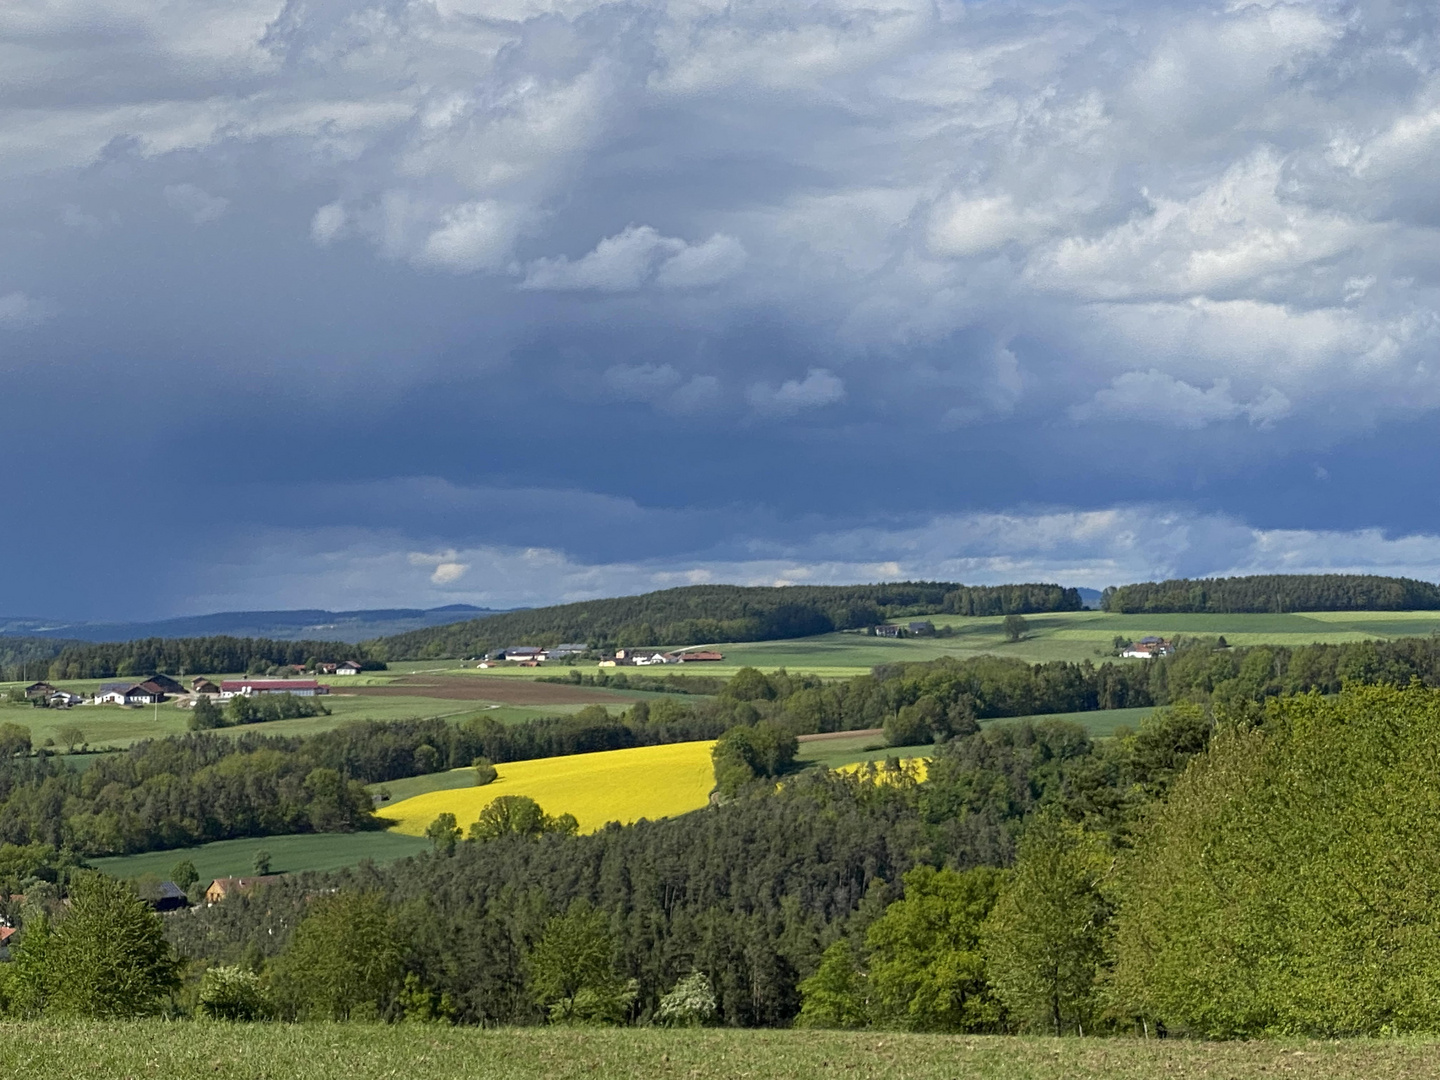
(1014, 627)
(108, 957)
(690, 1002)
(71, 735)
(23, 990)
(443, 833)
(485, 772)
(519, 815)
(232, 993)
(1044, 942)
(927, 970)
(260, 863)
(206, 715)
(184, 874)
(571, 969)
(836, 995)
(14, 740)
(345, 961)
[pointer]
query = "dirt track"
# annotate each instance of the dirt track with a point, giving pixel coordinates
(506, 691)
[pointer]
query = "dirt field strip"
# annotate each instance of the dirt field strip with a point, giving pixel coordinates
(861, 734)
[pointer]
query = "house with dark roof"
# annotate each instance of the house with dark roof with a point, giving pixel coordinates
(169, 897)
(129, 693)
(166, 684)
(39, 691)
(201, 685)
(349, 667)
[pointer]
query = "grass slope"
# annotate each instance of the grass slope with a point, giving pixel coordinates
(101, 1051)
(288, 854)
(613, 785)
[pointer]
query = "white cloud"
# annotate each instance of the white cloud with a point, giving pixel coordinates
(819, 387)
(328, 223)
(1093, 548)
(20, 311)
(661, 385)
(1155, 397)
(635, 257)
(472, 236)
(195, 203)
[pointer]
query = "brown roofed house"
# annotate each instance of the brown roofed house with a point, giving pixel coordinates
(166, 684)
(224, 887)
(202, 685)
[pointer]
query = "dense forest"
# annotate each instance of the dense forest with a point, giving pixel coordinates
(1274, 593)
(43, 658)
(700, 614)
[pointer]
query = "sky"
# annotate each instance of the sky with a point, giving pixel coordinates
(512, 302)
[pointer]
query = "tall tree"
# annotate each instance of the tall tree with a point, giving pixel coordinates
(1044, 942)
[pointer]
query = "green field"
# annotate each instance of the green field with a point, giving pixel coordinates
(177, 1050)
(288, 854)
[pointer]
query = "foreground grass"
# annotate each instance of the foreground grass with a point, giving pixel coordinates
(299, 1052)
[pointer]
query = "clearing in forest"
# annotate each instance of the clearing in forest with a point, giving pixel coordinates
(612, 785)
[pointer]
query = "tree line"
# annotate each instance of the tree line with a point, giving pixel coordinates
(1274, 593)
(189, 656)
(699, 614)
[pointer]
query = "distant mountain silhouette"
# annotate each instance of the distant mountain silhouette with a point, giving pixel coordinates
(311, 624)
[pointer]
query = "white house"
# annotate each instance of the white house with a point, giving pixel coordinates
(349, 667)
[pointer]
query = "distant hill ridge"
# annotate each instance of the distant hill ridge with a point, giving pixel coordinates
(699, 614)
(1274, 593)
(306, 624)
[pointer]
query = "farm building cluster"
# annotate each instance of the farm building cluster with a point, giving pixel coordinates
(534, 656)
(157, 688)
(1147, 648)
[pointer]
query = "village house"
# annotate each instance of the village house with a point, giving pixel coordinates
(1149, 647)
(250, 687)
(566, 651)
(201, 685)
(326, 668)
(166, 684)
(224, 887)
(923, 628)
(698, 656)
(349, 667)
(129, 693)
(523, 652)
(39, 691)
(168, 897)
(887, 630)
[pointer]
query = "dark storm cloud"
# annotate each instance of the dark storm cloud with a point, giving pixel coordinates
(529, 299)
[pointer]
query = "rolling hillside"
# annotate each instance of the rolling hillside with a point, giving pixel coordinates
(698, 614)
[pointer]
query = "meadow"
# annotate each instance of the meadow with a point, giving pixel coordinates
(226, 1051)
(612, 785)
(288, 854)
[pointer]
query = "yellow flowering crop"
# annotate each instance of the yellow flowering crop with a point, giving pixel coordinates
(612, 785)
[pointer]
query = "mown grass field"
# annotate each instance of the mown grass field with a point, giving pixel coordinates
(182, 1050)
(288, 854)
(613, 785)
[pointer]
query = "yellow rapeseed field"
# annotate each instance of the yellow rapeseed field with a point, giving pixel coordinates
(613, 785)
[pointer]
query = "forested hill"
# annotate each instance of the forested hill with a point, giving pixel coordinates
(177, 656)
(1274, 593)
(699, 614)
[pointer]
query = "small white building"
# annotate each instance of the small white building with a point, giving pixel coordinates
(349, 667)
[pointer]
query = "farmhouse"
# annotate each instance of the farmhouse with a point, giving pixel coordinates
(203, 686)
(129, 693)
(924, 628)
(250, 687)
(326, 668)
(38, 691)
(349, 667)
(523, 652)
(224, 887)
(561, 652)
(887, 630)
(699, 655)
(1149, 647)
(169, 897)
(62, 699)
(166, 684)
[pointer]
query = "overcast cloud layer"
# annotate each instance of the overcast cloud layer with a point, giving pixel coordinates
(513, 301)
